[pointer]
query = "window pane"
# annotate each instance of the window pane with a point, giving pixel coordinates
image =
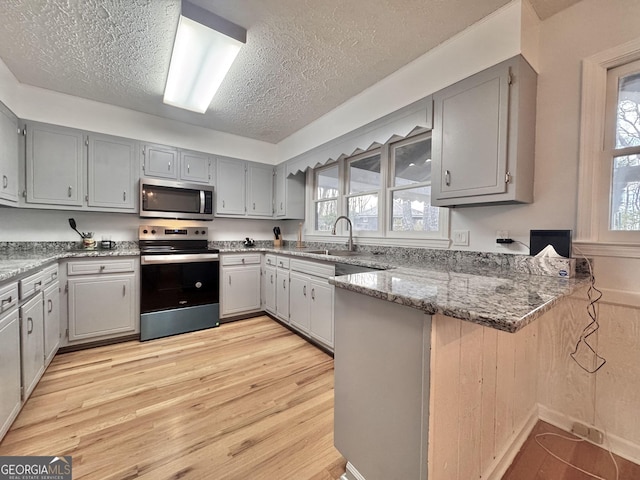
(625, 193)
(364, 174)
(412, 211)
(326, 214)
(327, 184)
(628, 114)
(363, 212)
(413, 163)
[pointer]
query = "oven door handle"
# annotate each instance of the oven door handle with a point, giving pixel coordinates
(179, 258)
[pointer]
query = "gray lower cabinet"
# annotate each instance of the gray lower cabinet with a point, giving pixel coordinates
(32, 342)
(9, 141)
(484, 137)
(102, 298)
(269, 289)
(51, 321)
(240, 284)
(282, 288)
(10, 400)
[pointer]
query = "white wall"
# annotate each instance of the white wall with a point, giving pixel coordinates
(32, 103)
(20, 225)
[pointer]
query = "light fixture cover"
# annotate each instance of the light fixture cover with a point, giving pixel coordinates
(200, 60)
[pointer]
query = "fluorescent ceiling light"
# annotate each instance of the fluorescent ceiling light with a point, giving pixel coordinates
(202, 56)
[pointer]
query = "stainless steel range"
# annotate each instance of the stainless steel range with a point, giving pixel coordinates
(179, 281)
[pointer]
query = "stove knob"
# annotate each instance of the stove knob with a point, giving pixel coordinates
(145, 231)
(153, 232)
(203, 232)
(197, 232)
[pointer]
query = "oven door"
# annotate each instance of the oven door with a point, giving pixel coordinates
(179, 281)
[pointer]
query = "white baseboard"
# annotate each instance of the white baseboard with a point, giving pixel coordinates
(352, 473)
(503, 460)
(619, 446)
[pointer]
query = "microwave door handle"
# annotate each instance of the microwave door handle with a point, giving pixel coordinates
(201, 201)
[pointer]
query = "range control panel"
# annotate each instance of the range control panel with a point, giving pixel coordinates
(161, 232)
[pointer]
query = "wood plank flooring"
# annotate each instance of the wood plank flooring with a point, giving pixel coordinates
(247, 400)
(534, 463)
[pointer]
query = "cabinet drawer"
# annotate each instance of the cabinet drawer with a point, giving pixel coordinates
(282, 262)
(243, 259)
(270, 259)
(323, 270)
(30, 285)
(106, 266)
(50, 274)
(8, 296)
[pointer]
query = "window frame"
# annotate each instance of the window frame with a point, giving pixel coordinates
(314, 200)
(379, 192)
(593, 236)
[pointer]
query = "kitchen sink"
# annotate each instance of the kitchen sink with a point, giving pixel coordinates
(335, 253)
(346, 269)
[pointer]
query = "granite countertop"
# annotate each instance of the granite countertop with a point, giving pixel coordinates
(493, 290)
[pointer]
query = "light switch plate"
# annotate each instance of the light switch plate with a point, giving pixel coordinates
(461, 238)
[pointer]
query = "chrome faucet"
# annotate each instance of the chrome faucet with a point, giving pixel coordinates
(333, 230)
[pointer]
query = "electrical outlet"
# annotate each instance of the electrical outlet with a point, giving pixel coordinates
(580, 429)
(592, 434)
(502, 234)
(461, 238)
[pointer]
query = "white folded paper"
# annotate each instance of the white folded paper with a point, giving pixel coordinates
(549, 252)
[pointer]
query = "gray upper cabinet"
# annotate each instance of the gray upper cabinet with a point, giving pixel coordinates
(195, 167)
(55, 156)
(289, 194)
(230, 187)
(112, 167)
(9, 141)
(483, 137)
(160, 161)
(260, 190)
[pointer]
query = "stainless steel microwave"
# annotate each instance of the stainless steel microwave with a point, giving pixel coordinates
(177, 200)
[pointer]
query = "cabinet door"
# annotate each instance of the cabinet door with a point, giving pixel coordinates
(101, 305)
(470, 136)
(240, 289)
(230, 187)
(55, 158)
(8, 156)
(299, 297)
(289, 194)
(321, 311)
(270, 289)
(160, 161)
(260, 190)
(194, 167)
(10, 400)
(280, 191)
(32, 343)
(282, 294)
(112, 182)
(51, 321)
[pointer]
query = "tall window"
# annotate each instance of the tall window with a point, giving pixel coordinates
(363, 191)
(410, 189)
(622, 146)
(326, 193)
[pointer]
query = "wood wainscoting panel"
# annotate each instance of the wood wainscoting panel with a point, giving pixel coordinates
(249, 399)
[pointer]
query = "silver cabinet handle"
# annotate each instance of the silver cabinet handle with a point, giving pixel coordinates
(313, 294)
(243, 261)
(5, 181)
(188, 168)
(102, 267)
(271, 282)
(124, 196)
(9, 299)
(50, 304)
(169, 166)
(124, 290)
(229, 279)
(447, 178)
(280, 205)
(304, 290)
(222, 203)
(29, 325)
(284, 284)
(254, 205)
(69, 192)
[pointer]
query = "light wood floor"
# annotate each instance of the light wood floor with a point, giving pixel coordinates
(534, 463)
(247, 400)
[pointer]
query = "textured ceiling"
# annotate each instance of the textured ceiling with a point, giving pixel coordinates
(302, 58)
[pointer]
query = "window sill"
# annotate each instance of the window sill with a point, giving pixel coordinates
(608, 249)
(441, 243)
